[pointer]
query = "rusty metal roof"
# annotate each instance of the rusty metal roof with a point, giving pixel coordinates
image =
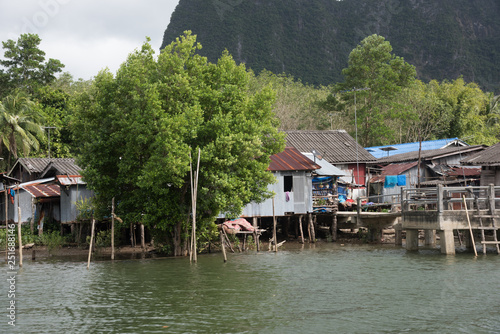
(291, 160)
(43, 190)
(69, 180)
(393, 169)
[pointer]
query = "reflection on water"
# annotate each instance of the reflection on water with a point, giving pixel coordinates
(325, 288)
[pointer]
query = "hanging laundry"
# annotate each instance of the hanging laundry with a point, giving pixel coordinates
(390, 181)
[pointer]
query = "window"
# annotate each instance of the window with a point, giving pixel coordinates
(288, 183)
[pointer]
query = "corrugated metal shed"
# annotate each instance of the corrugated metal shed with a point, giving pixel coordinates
(336, 146)
(291, 160)
(488, 157)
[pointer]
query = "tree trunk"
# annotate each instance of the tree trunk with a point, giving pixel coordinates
(176, 239)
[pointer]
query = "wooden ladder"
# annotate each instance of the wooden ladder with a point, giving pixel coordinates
(491, 227)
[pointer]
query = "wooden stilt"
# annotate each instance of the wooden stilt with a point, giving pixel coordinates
(222, 245)
(301, 230)
(91, 241)
(132, 237)
(274, 230)
(312, 236)
(334, 227)
(143, 238)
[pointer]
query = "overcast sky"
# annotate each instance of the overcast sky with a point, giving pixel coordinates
(87, 35)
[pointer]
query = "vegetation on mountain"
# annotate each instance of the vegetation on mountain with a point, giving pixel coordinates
(312, 40)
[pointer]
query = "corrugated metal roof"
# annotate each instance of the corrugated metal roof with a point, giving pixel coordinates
(43, 190)
(327, 169)
(430, 154)
(66, 166)
(291, 159)
(336, 146)
(43, 165)
(68, 180)
(488, 157)
(378, 152)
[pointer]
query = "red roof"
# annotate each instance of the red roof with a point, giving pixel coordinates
(291, 160)
(43, 190)
(460, 171)
(393, 169)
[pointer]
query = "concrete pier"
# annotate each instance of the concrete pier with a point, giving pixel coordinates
(447, 242)
(444, 209)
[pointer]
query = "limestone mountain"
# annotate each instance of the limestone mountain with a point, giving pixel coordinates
(311, 39)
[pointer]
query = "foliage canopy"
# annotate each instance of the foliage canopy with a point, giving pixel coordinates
(137, 131)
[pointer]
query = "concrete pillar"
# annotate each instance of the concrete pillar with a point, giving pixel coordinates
(398, 232)
(447, 242)
(429, 237)
(412, 240)
(375, 234)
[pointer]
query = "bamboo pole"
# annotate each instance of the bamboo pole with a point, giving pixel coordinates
(113, 228)
(470, 227)
(194, 194)
(91, 241)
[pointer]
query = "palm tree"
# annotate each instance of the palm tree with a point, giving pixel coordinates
(19, 125)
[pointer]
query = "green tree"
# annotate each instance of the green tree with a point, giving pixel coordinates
(372, 66)
(465, 109)
(137, 131)
(25, 64)
(20, 129)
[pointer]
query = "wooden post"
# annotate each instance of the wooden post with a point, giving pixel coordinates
(334, 227)
(143, 238)
(274, 230)
(300, 228)
(256, 233)
(312, 236)
(132, 237)
(113, 228)
(32, 221)
(470, 227)
(222, 246)
(91, 241)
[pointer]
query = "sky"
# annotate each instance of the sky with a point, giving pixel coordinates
(87, 35)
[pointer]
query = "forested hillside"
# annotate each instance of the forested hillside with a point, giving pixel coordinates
(311, 40)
